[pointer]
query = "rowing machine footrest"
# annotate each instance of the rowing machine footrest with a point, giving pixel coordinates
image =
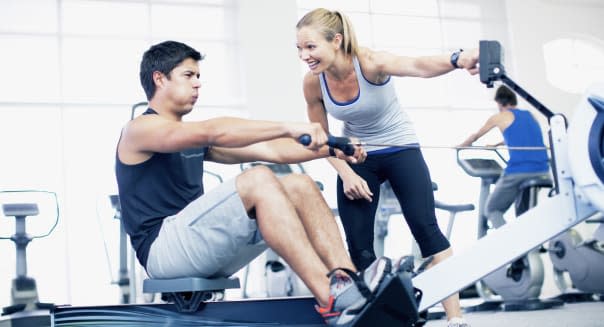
(395, 303)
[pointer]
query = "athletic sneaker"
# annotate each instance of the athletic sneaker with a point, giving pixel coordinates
(349, 292)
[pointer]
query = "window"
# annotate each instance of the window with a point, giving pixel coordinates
(572, 65)
(71, 77)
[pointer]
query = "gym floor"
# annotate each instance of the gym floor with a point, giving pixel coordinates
(583, 314)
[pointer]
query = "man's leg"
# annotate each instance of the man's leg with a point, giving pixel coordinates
(318, 220)
(282, 228)
(502, 197)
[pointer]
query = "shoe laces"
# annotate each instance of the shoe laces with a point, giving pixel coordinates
(340, 281)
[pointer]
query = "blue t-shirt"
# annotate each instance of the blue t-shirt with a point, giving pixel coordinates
(157, 188)
(525, 132)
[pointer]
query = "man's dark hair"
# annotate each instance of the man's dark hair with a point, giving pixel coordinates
(163, 57)
(505, 96)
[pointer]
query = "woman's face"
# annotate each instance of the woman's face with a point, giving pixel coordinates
(315, 50)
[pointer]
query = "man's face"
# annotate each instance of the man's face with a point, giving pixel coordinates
(183, 85)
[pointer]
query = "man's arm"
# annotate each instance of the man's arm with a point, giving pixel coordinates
(491, 123)
(496, 144)
(153, 133)
(283, 150)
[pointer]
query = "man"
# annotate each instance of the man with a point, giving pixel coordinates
(179, 231)
(519, 129)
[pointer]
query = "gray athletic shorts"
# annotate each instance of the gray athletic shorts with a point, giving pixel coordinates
(211, 237)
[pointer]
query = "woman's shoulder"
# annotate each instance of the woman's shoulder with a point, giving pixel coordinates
(369, 60)
(311, 80)
(366, 57)
(311, 86)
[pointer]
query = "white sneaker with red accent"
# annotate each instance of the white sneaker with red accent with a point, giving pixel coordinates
(349, 292)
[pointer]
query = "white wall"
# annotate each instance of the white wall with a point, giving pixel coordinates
(533, 23)
(269, 55)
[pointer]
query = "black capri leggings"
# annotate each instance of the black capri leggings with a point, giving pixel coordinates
(410, 179)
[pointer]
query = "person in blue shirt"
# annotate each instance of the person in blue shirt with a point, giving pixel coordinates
(519, 129)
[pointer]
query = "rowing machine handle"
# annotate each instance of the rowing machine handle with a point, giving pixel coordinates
(342, 143)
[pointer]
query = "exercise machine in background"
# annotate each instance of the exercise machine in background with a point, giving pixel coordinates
(24, 292)
(519, 283)
(579, 264)
(577, 157)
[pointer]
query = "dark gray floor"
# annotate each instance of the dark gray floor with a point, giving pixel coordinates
(587, 314)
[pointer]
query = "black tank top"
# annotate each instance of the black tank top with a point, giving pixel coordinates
(157, 188)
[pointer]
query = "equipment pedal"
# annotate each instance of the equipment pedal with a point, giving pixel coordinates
(394, 304)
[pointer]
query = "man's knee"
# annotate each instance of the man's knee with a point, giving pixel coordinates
(296, 184)
(257, 180)
(494, 204)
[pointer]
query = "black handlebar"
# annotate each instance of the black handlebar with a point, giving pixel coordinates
(342, 143)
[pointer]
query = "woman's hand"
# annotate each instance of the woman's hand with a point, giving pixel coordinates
(356, 188)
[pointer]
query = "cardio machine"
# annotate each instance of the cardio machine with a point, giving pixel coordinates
(518, 283)
(24, 292)
(576, 152)
(581, 261)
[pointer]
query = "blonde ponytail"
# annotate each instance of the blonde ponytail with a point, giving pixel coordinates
(329, 23)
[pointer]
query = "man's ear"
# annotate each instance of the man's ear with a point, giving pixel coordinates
(158, 79)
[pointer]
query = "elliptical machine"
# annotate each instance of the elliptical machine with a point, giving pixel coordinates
(518, 283)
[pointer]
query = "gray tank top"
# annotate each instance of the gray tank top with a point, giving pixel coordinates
(374, 116)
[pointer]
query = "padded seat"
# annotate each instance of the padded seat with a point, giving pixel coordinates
(527, 197)
(189, 294)
(189, 284)
(536, 182)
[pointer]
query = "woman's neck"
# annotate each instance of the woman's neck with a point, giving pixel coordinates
(341, 68)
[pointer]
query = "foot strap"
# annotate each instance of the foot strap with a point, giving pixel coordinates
(359, 282)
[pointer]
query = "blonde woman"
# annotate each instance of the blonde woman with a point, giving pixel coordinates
(353, 84)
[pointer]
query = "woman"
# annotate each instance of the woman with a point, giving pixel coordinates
(353, 84)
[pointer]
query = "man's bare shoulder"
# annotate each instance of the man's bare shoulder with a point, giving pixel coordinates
(142, 123)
